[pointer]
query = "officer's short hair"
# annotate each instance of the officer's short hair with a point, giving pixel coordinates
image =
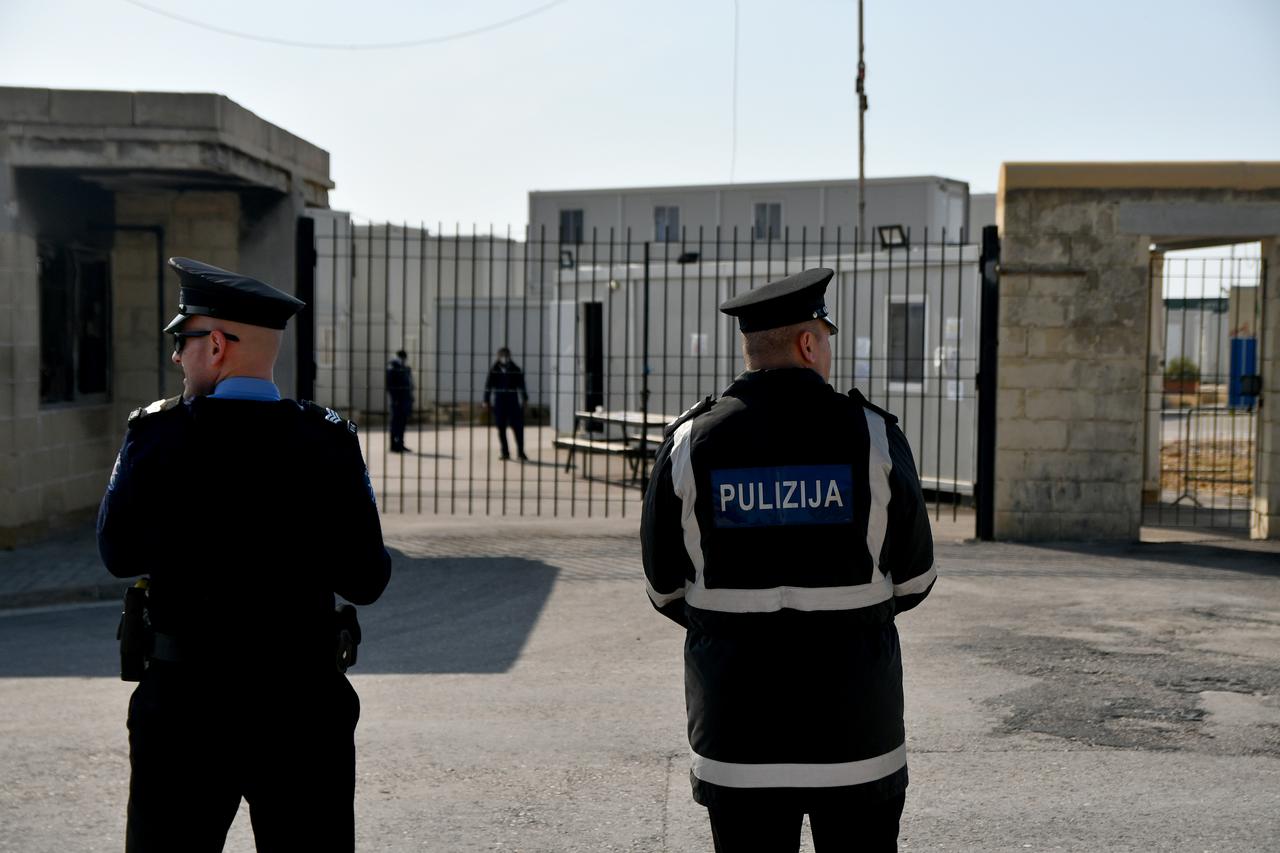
(401, 354)
(762, 345)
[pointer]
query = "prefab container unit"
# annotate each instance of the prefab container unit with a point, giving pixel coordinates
(757, 212)
(908, 340)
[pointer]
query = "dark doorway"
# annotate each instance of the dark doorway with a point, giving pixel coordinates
(593, 347)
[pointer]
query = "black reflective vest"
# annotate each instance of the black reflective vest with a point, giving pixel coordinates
(784, 527)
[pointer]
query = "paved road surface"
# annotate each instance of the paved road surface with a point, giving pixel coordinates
(520, 694)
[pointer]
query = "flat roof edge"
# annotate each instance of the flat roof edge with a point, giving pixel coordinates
(1225, 174)
(760, 185)
(201, 116)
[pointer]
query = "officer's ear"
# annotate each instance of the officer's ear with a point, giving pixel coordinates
(218, 345)
(809, 346)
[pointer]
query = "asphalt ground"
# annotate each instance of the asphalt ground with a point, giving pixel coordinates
(519, 693)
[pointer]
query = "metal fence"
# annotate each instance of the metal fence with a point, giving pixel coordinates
(1202, 401)
(615, 336)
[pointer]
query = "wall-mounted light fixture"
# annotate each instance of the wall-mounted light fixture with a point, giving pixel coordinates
(892, 236)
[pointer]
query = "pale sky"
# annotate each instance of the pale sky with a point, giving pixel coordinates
(592, 93)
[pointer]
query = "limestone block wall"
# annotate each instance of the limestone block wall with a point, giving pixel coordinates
(54, 460)
(1073, 330)
(19, 381)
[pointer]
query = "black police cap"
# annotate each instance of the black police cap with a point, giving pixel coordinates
(210, 291)
(792, 300)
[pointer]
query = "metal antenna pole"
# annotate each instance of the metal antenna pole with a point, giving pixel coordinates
(862, 139)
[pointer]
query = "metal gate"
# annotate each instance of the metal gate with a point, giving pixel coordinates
(1203, 390)
(615, 335)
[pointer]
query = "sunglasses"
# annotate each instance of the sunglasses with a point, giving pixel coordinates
(179, 338)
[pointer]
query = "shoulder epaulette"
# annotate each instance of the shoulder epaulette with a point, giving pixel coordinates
(327, 414)
(689, 414)
(856, 396)
(153, 409)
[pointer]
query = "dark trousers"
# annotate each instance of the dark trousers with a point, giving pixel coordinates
(197, 744)
(507, 412)
(399, 419)
(871, 828)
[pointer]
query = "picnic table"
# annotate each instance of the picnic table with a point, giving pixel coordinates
(638, 436)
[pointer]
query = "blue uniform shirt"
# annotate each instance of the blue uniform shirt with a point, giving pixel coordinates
(246, 388)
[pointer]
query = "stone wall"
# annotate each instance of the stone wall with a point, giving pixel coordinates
(19, 380)
(1073, 344)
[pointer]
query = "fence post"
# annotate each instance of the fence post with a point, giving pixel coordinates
(984, 487)
(644, 380)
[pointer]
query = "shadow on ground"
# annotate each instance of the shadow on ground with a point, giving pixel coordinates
(1233, 555)
(449, 614)
(438, 615)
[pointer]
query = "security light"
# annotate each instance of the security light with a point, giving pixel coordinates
(892, 236)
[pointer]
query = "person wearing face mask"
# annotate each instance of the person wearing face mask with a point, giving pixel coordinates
(784, 529)
(505, 393)
(249, 513)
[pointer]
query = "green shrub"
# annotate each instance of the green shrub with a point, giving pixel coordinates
(1182, 368)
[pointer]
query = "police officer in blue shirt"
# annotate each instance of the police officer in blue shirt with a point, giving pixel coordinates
(784, 529)
(248, 513)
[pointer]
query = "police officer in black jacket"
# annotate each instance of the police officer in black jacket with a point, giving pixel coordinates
(505, 386)
(248, 512)
(784, 528)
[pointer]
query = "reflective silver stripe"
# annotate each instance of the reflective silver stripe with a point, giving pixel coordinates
(919, 583)
(879, 466)
(733, 775)
(662, 599)
(686, 490)
(791, 597)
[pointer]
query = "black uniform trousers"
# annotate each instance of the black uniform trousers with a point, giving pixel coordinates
(868, 828)
(400, 405)
(507, 412)
(199, 742)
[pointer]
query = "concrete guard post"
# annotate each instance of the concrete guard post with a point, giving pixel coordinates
(1074, 332)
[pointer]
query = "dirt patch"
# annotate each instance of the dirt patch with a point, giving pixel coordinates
(1218, 468)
